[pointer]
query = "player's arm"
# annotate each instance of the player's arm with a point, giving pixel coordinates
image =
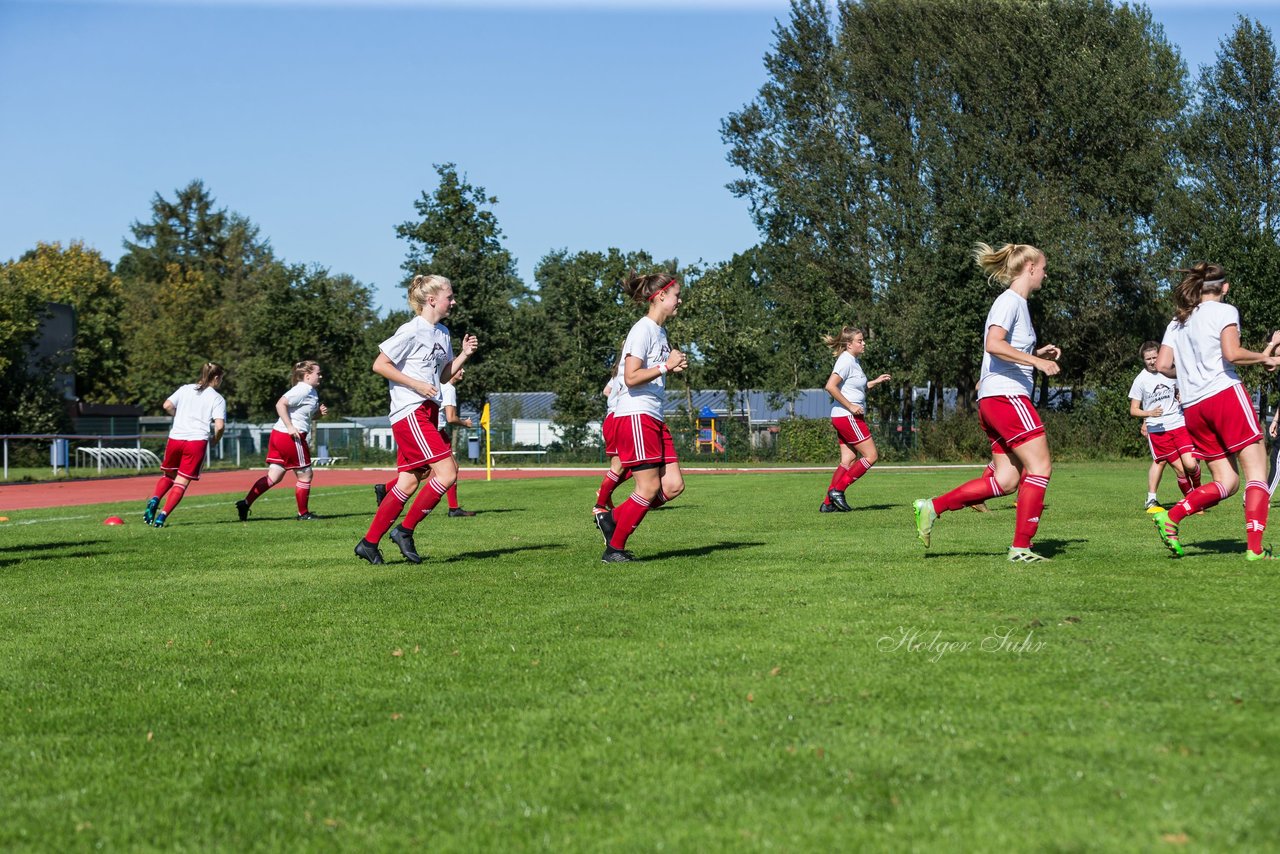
(282, 409)
(218, 426)
(385, 368)
(1000, 348)
(170, 407)
(1164, 362)
(1236, 354)
(1137, 412)
(451, 417)
(833, 388)
(469, 345)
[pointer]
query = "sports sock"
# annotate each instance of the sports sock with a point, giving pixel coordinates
(259, 487)
(428, 497)
(971, 492)
(627, 517)
(855, 471)
(1257, 504)
(162, 486)
(608, 484)
(301, 492)
(1194, 474)
(1030, 504)
(388, 512)
(1151, 496)
(451, 494)
(837, 477)
(175, 495)
(1184, 484)
(1200, 498)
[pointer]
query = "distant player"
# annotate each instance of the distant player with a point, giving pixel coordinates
(193, 407)
(416, 361)
(848, 387)
(1201, 347)
(644, 442)
(1153, 397)
(287, 448)
(616, 474)
(1273, 470)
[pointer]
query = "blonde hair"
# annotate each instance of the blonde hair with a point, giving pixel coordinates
(1202, 278)
(839, 342)
(642, 289)
(209, 372)
(301, 369)
(1004, 264)
(425, 286)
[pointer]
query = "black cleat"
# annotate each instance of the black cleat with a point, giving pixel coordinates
(380, 492)
(242, 507)
(612, 555)
(307, 517)
(404, 539)
(369, 552)
(837, 498)
(824, 507)
(604, 521)
(458, 511)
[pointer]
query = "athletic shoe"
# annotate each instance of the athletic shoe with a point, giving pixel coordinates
(149, 515)
(980, 507)
(379, 492)
(836, 497)
(458, 511)
(1265, 554)
(612, 555)
(826, 507)
(242, 507)
(925, 516)
(307, 517)
(403, 538)
(159, 520)
(1020, 555)
(1168, 532)
(604, 521)
(1153, 506)
(370, 552)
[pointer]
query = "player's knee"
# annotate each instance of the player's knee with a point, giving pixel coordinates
(872, 457)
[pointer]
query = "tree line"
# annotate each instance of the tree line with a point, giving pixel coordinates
(887, 138)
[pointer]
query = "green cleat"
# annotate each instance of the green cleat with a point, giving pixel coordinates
(1168, 532)
(1021, 555)
(149, 515)
(1265, 554)
(925, 517)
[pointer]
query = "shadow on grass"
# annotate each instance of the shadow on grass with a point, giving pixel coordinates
(324, 517)
(44, 547)
(703, 551)
(7, 562)
(1219, 547)
(492, 553)
(1045, 548)
(857, 507)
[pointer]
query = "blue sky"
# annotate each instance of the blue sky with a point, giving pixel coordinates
(595, 123)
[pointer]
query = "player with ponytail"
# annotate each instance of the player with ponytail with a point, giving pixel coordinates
(287, 448)
(194, 407)
(848, 387)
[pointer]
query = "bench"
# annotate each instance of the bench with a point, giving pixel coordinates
(118, 458)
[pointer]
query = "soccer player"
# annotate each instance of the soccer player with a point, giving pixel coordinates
(616, 473)
(643, 440)
(416, 361)
(848, 387)
(1153, 397)
(193, 407)
(1010, 359)
(287, 448)
(1201, 347)
(1273, 470)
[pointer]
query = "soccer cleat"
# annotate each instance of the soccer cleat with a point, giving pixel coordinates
(612, 555)
(458, 511)
(980, 507)
(827, 507)
(1153, 506)
(158, 522)
(307, 517)
(149, 515)
(379, 492)
(925, 517)
(1265, 554)
(1021, 555)
(836, 497)
(604, 521)
(369, 551)
(242, 507)
(403, 538)
(1168, 532)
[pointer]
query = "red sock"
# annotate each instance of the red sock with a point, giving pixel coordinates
(1200, 498)
(1194, 474)
(836, 477)
(428, 497)
(853, 472)
(1257, 503)
(1184, 483)
(452, 495)
(972, 492)
(391, 483)
(175, 495)
(608, 484)
(388, 512)
(259, 487)
(1030, 504)
(301, 492)
(627, 518)
(162, 486)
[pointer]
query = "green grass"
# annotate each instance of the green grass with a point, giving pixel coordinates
(214, 685)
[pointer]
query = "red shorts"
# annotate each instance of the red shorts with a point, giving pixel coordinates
(285, 451)
(643, 439)
(610, 431)
(418, 441)
(1170, 444)
(184, 457)
(1222, 423)
(1009, 421)
(852, 429)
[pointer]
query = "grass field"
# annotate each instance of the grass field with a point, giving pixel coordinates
(766, 677)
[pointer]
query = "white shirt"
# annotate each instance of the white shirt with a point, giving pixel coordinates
(194, 410)
(854, 385)
(448, 397)
(1152, 389)
(303, 400)
(1197, 351)
(419, 350)
(647, 341)
(999, 377)
(614, 388)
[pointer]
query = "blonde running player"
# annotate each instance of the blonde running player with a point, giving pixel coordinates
(193, 407)
(1153, 398)
(848, 387)
(287, 448)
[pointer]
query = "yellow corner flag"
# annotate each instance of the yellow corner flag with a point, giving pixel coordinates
(488, 460)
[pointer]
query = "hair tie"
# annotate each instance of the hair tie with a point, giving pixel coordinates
(1213, 283)
(661, 289)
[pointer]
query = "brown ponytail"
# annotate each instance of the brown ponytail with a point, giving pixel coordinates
(208, 373)
(642, 289)
(1202, 278)
(300, 370)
